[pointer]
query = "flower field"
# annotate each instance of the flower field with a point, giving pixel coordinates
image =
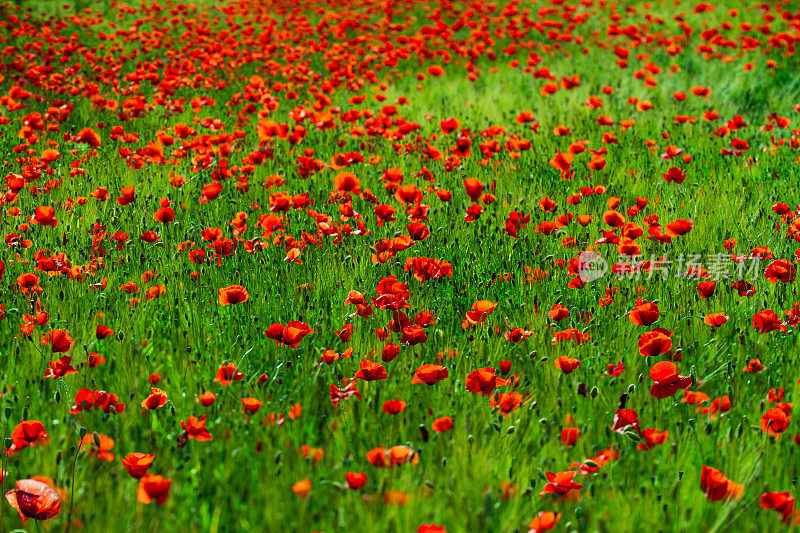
(399, 266)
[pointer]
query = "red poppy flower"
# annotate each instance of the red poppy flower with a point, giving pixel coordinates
(716, 319)
(654, 343)
(227, 374)
(103, 331)
(561, 483)
(674, 175)
(355, 480)
(567, 364)
(156, 399)
(34, 499)
(652, 438)
(393, 407)
(59, 368)
(774, 421)
(780, 270)
(717, 486)
(625, 419)
(706, 288)
(570, 436)
(28, 433)
(371, 371)
(667, 381)
(644, 314)
(251, 405)
(442, 424)
(783, 502)
(544, 521)
(290, 334)
(137, 463)
(430, 374)
(153, 487)
(232, 294)
(59, 340)
(195, 428)
(484, 381)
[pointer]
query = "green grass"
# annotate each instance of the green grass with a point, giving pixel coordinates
(242, 479)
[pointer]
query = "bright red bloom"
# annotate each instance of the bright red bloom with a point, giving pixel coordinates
(137, 463)
(232, 294)
(59, 368)
(103, 331)
(717, 486)
(34, 499)
(783, 502)
(544, 521)
(484, 381)
(652, 438)
(156, 399)
(644, 314)
(355, 480)
(667, 381)
(371, 371)
(153, 487)
(290, 334)
(561, 483)
(775, 421)
(195, 428)
(654, 343)
(28, 433)
(227, 374)
(443, 424)
(59, 340)
(430, 374)
(567, 364)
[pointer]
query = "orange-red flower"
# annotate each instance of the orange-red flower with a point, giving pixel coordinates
(227, 374)
(153, 487)
(195, 428)
(666, 379)
(137, 464)
(156, 399)
(34, 499)
(232, 294)
(27, 434)
(717, 486)
(484, 381)
(561, 483)
(544, 521)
